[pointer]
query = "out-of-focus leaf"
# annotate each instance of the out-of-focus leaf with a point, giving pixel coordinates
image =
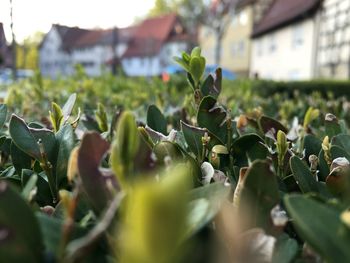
(20, 239)
(259, 195)
(205, 204)
(92, 150)
(320, 226)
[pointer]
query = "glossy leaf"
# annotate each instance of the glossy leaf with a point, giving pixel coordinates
(303, 175)
(23, 138)
(156, 120)
(268, 124)
(259, 195)
(66, 142)
(320, 226)
(3, 114)
(212, 117)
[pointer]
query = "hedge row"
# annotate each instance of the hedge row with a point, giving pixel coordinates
(325, 87)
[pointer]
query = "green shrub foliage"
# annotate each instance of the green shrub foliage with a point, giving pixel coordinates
(188, 171)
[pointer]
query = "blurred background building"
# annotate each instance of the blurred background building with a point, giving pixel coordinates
(268, 39)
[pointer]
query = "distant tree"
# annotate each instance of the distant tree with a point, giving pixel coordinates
(213, 14)
(14, 49)
(162, 7)
(27, 52)
(218, 17)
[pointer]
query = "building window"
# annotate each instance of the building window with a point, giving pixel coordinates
(272, 43)
(238, 48)
(297, 36)
(243, 18)
(260, 47)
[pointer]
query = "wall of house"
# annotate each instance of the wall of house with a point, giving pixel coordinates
(170, 50)
(92, 58)
(236, 44)
(53, 60)
(142, 66)
(334, 40)
(285, 54)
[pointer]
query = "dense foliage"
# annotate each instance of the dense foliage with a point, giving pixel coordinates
(199, 175)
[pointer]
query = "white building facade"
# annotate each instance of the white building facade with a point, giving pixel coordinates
(287, 53)
(54, 60)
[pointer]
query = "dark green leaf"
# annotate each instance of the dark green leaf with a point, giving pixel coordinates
(320, 226)
(66, 142)
(20, 234)
(212, 117)
(303, 175)
(259, 195)
(285, 250)
(156, 120)
(3, 115)
(23, 138)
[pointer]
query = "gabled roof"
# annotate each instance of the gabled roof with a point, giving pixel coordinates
(70, 35)
(2, 35)
(105, 37)
(73, 37)
(285, 12)
(150, 36)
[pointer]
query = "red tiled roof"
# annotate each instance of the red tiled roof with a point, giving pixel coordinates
(105, 36)
(150, 36)
(284, 12)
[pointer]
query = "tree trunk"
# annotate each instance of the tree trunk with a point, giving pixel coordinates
(218, 47)
(14, 58)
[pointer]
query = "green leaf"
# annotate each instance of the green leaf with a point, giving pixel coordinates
(23, 138)
(66, 142)
(268, 124)
(193, 136)
(43, 196)
(20, 234)
(312, 145)
(124, 147)
(259, 195)
(186, 57)
(68, 107)
(182, 63)
(303, 175)
(337, 151)
(248, 146)
(213, 118)
(332, 125)
(320, 226)
(156, 120)
(3, 115)
(285, 249)
(56, 116)
(166, 148)
(205, 203)
(197, 67)
(20, 159)
(323, 166)
(101, 118)
(342, 141)
(196, 52)
(29, 187)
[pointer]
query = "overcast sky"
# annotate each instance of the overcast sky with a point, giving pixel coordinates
(31, 16)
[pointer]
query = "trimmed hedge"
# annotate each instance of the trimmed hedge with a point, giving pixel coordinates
(337, 87)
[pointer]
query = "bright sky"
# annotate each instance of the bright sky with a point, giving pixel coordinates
(31, 16)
